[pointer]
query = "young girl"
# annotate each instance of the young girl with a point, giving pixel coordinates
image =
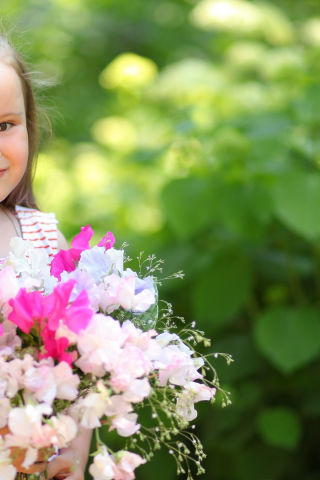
(19, 144)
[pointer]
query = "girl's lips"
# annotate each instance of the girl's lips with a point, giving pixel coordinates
(2, 172)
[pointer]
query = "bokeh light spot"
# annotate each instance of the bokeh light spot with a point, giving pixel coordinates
(128, 70)
(116, 133)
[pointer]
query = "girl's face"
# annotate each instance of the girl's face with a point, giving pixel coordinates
(13, 131)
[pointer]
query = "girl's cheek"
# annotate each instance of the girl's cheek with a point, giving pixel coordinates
(17, 149)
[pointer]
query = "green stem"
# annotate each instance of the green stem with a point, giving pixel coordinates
(98, 440)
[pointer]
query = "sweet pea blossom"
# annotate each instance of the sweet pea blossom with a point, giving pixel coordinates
(9, 288)
(30, 264)
(129, 300)
(55, 348)
(107, 241)
(100, 345)
(126, 463)
(7, 470)
(25, 423)
(125, 424)
(143, 340)
(27, 308)
(76, 316)
(9, 339)
(66, 260)
(103, 466)
(65, 429)
(121, 418)
(83, 281)
(177, 366)
(137, 390)
(99, 262)
(18, 257)
(193, 392)
(5, 408)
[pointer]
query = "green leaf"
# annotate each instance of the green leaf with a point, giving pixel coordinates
(279, 427)
(297, 200)
(245, 209)
(190, 205)
(223, 289)
(289, 338)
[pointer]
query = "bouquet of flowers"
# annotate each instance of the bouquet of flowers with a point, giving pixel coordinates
(87, 343)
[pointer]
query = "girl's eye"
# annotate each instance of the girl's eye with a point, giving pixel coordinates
(5, 126)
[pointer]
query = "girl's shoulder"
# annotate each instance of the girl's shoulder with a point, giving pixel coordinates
(39, 227)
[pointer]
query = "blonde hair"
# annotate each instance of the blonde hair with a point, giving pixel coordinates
(23, 192)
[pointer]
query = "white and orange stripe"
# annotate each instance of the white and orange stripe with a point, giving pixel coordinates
(40, 228)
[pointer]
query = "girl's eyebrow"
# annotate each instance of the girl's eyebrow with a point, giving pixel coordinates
(11, 114)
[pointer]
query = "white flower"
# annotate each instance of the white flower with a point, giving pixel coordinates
(7, 471)
(103, 466)
(5, 408)
(66, 381)
(137, 390)
(91, 409)
(65, 428)
(165, 338)
(126, 424)
(115, 258)
(100, 345)
(23, 419)
(99, 262)
(30, 457)
(9, 288)
(193, 392)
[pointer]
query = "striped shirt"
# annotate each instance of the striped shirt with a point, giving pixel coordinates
(40, 228)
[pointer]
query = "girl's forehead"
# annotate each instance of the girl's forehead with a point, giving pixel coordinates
(11, 94)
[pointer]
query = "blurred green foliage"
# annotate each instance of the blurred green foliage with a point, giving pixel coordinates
(192, 130)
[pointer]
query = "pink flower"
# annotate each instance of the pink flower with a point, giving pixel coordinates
(81, 241)
(9, 337)
(126, 424)
(66, 381)
(65, 428)
(4, 411)
(121, 419)
(39, 381)
(142, 340)
(100, 345)
(77, 316)
(55, 349)
(7, 471)
(193, 392)
(127, 462)
(91, 409)
(117, 406)
(129, 301)
(103, 466)
(137, 390)
(132, 362)
(107, 241)
(66, 260)
(177, 366)
(26, 309)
